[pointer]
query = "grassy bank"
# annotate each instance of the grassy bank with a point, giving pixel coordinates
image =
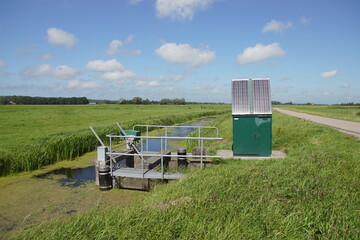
(349, 113)
(312, 194)
(36, 136)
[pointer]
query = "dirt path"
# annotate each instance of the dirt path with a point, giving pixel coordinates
(352, 128)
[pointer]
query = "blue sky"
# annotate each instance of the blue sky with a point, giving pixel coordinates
(180, 48)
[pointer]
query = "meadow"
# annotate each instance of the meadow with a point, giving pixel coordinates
(36, 136)
(349, 113)
(311, 194)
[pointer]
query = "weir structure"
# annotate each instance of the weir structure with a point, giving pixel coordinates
(131, 165)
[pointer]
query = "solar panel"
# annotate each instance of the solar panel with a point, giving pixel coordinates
(251, 96)
(262, 102)
(240, 97)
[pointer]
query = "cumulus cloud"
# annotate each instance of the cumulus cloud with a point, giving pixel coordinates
(118, 75)
(260, 52)
(345, 85)
(276, 26)
(114, 47)
(57, 36)
(304, 20)
(175, 78)
(2, 64)
(105, 66)
(46, 56)
(180, 9)
(331, 73)
(184, 53)
(45, 70)
(153, 83)
(81, 84)
(129, 39)
(134, 1)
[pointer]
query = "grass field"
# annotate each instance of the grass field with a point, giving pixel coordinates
(311, 194)
(35, 136)
(349, 113)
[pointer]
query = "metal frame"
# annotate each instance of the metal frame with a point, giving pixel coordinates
(163, 139)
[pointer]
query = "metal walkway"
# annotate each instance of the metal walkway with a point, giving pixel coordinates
(144, 173)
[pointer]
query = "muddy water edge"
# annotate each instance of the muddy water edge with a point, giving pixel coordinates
(58, 191)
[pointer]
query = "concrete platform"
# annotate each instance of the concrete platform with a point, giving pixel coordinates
(228, 154)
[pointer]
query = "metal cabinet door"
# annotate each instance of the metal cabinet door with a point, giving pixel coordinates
(246, 136)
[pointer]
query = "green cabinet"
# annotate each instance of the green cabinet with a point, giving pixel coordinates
(252, 135)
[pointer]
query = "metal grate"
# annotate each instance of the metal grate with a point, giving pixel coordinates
(240, 97)
(262, 102)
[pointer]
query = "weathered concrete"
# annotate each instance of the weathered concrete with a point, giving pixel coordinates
(228, 154)
(351, 128)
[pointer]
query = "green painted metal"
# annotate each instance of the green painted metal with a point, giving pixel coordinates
(252, 135)
(130, 132)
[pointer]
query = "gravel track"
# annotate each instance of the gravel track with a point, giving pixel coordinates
(352, 128)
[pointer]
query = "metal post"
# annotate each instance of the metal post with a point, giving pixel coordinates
(111, 166)
(162, 159)
(199, 136)
(165, 136)
(201, 149)
(147, 140)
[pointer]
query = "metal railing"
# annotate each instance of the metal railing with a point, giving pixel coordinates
(174, 127)
(163, 142)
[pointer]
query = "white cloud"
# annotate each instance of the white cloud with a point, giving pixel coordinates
(118, 75)
(184, 53)
(57, 36)
(329, 74)
(260, 52)
(134, 1)
(46, 56)
(180, 9)
(304, 20)
(114, 47)
(2, 64)
(175, 78)
(345, 85)
(137, 52)
(153, 83)
(77, 84)
(129, 39)
(276, 26)
(45, 70)
(105, 66)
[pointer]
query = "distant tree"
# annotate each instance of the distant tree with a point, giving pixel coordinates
(122, 101)
(3, 100)
(137, 100)
(165, 101)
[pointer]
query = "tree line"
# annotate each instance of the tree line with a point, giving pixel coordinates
(26, 100)
(165, 101)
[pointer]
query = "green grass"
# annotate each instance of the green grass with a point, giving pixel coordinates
(311, 194)
(349, 113)
(36, 136)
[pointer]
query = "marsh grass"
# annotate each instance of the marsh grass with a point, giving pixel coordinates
(311, 194)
